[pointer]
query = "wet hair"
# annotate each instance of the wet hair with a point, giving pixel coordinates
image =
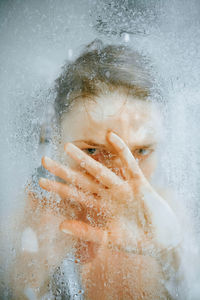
(101, 69)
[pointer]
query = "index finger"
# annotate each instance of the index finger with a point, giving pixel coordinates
(125, 155)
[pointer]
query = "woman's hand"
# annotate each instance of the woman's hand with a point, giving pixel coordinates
(124, 212)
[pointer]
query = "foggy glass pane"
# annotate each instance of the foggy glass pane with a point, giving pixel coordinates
(117, 214)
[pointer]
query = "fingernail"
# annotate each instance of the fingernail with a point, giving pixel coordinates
(66, 231)
(42, 183)
(47, 160)
(116, 140)
(42, 180)
(69, 147)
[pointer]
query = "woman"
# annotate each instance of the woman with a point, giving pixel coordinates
(124, 235)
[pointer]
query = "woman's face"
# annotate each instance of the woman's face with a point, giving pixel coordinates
(135, 121)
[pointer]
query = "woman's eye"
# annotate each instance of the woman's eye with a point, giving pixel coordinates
(142, 152)
(90, 151)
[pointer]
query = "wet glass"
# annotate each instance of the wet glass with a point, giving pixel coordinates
(93, 240)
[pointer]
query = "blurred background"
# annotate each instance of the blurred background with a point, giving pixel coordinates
(38, 37)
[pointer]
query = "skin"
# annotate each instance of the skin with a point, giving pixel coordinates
(108, 212)
(111, 155)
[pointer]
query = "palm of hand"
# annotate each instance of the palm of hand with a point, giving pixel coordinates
(124, 213)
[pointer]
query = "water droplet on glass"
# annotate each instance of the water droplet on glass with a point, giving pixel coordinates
(107, 74)
(82, 164)
(127, 37)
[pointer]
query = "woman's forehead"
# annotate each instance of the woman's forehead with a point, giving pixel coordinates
(133, 119)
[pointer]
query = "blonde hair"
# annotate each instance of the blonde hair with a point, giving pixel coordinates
(102, 68)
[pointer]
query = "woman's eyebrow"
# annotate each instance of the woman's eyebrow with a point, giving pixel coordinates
(89, 142)
(144, 145)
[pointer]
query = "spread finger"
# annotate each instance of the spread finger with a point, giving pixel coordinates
(77, 178)
(68, 192)
(125, 155)
(84, 231)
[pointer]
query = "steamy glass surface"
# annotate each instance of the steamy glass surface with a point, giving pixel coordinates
(37, 38)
